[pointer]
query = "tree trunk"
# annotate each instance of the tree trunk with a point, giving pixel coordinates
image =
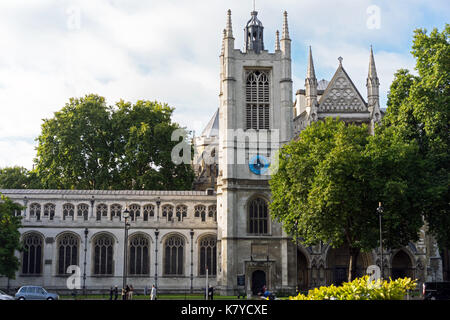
(353, 253)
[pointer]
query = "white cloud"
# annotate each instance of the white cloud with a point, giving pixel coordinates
(169, 51)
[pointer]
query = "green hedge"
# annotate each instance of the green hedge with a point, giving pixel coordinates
(362, 289)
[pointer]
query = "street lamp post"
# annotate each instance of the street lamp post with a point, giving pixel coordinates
(86, 231)
(296, 253)
(126, 215)
(380, 212)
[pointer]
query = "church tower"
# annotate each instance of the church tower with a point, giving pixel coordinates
(255, 119)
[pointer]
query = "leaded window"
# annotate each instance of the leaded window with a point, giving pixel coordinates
(49, 210)
(68, 245)
(102, 211)
(167, 211)
(135, 211)
(258, 217)
(83, 211)
(139, 263)
(181, 212)
(200, 212)
(208, 258)
(35, 210)
(103, 255)
(149, 211)
(174, 255)
(212, 212)
(116, 210)
(68, 210)
(257, 100)
(32, 254)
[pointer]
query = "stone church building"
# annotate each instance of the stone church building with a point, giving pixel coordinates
(221, 231)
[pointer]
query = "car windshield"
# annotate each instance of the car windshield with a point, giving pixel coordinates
(1, 292)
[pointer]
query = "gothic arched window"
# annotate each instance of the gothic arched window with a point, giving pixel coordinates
(139, 263)
(149, 211)
(116, 210)
(102, 211)
(212, 212)
(68, 245)
(200, 212)
(68, 210)
(167, 211)
(103, 255)
(49, 210)
(32, 254)
(174, 255)
(181, 212)
(135, 211)
(258, 216)
(35, 210)
(257, 100)
(208, 258)
(83, 211)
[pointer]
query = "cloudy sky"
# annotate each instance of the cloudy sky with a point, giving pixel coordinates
(169, 51)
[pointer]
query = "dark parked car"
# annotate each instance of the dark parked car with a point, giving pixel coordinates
(35, 293)
(436, 291)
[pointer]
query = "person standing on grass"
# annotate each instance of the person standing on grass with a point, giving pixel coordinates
(153, 293)
(130, 293)
(116, 293)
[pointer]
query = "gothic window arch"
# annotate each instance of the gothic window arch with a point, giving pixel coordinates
(68, 210)
(35, 210)
(139, 255)
(212, 212)
(83, 211)
(181, 212)
(208, 255)
(32, 254)
(103, 254)
(258, 217)
(116, 210)
(135, 211)
(257, 99)
(102, 211)
(68, 245)
(167, 211)
(148, 211)
(49, 210)
(174, 255)
(200, 212)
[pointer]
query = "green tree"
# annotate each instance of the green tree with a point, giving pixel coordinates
(18, 178)
(418, 109)
(89, 145)
(328, 185)
(9, 237)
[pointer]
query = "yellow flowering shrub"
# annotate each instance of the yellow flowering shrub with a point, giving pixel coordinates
(362, 289)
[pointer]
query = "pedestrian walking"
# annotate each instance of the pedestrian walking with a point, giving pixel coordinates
(153, 293)
(116, 292)
(111, 291)
(130, 293)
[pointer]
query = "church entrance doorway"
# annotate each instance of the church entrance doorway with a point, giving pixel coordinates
(302, 271)
(258, 281)
(401, 265)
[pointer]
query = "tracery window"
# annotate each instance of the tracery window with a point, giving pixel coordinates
(103, 255)
(83, 211)
(139, 263)
(35, 210)
(68, 245)
(149, 211)
(208, 258)
(257, 100)
(49, 210)
(68, 210)
(32, 254)
(167, 211)
(212, 212)
(102, 211)
(135, 211)
(174, 255)
(116, 210)
(200, 212)
(258, 216)
(181, 212)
